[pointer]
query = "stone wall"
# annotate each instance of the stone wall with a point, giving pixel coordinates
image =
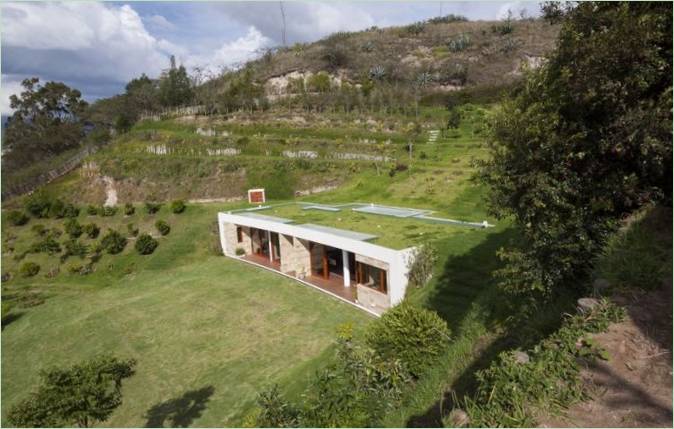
(295, 256)
(231, 239)
(372, 299)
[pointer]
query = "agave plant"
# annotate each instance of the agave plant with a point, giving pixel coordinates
(423, 79)
(377, 72)
(459, 43)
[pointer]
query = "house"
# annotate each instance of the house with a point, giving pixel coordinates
(342, 263)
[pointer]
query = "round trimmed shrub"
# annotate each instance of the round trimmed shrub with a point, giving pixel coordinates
(29, 269)
(146, 244)
(72, 228)
(92, 230)
(108, 210)
(162, 227)
(152, 208)
(92, 210)
(113, 242)
(416, 336)
(178, 206)
(17, 218)
(38, 203)
(129, 209)
(70, 211)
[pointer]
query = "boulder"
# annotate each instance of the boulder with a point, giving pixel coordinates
(458, 418)
(521, 357)
(585, 305)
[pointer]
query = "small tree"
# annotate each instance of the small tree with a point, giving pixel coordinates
(113, 242)
(152, 208)
(72, 228)
(82, 395)
(178, 206)
(145, 244)
(92, 230)
(162, 227)
(17, 218)
(129, 209)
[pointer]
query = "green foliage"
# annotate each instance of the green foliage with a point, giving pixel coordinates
(58, 209)
(39, 229)
(152, 208)
(239, 251)
(453, 119)
(145, 244)
(422, 263)
(414, 335)
(38, 203)
(113, 242)
(459, 43)
(505, 27)
(29, 269)
(129, 209)
(278, 183)
(6, 309)
(92, 210)
(108, 210)
(335, 56)
(17, 218)
(47, 245)
(586, 141)
(509, 390)
(319, 82)
(72, 227)
(178, 206)
(175, 88)
(415, 28)
(133, 230)
(163, 227)
(83, 395)
(447, 19)
(276, 412)
(74, 248)
(91, 230)
(44, 123)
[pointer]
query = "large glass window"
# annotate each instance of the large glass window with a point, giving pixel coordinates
(372, 277)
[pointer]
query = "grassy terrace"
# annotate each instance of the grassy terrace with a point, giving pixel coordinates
(393, 232)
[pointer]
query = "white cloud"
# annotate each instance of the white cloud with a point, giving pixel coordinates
(160, 22)
(231, 54)
(7, 88)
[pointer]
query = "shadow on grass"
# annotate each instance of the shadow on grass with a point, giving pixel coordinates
(467, 286)
(12, 317)
(181, 411)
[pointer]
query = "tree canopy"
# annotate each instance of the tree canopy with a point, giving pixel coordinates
(585, 141)
(46, 121)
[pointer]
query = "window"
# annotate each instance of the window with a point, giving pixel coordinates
(239, 234)
(370, 276)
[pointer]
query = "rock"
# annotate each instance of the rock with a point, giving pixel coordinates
(599, 286)
(521, 357)
(585, 305)
(458, 418)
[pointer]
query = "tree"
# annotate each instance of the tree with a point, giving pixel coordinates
(81, 395)
(586, 141)
(175, 86)
(45, 122)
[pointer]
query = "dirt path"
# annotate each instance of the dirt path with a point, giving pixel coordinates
(634, 387)
(110, 191)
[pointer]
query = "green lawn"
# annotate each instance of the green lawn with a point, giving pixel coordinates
(208, 332)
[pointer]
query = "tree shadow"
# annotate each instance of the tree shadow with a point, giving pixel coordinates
(181, 411)
(10, 318)
(466, 285)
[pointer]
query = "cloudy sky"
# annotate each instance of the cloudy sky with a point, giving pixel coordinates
(97, 47)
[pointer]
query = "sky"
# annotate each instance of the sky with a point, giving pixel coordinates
(97, 47)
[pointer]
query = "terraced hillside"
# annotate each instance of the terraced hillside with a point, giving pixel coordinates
(221, 156)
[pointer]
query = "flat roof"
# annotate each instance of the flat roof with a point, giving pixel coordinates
(340, 232)
(264, 217)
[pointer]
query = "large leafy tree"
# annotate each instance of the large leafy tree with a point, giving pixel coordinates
(175, 86)
(46, 121)
(586, 141)
(81, 395)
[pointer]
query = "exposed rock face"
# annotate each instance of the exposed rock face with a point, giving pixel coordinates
(585, 305)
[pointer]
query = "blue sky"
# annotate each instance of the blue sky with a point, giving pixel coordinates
(99, 46)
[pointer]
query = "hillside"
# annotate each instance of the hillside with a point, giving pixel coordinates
(457, 54)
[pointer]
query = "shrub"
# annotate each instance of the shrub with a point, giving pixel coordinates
(92, 210)
(129, 209)
(133, 230)
(70, 211)
(47, 245)
(6, 309)
(320, 82)
(108, 210)
(416, 28)
(459, 43)
(92, 230)
(162, 227)
(56, 209)
(414, 335)
(113, 242)
(17, 218)
(421, 265)
(178, 206)
(29, 269)
(276, 412)
(38, 204)
(152, 208)
(146, 244)
(82, 270)
(74, 248)
(239, 251)
(72, 228)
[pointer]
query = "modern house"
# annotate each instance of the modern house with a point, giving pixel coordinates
(336, 261)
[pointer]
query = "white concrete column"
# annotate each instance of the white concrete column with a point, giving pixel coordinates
(271, 255)
(345, 265)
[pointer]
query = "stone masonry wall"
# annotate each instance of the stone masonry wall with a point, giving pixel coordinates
(372, 299)
(295, 256)
(232, 240)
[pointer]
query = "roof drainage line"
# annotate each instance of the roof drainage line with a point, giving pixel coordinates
(483, 224)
